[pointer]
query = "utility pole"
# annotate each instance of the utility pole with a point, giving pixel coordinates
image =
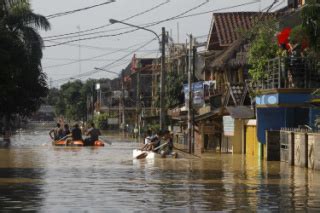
(162, 78)
(138, 105)
(190, 126)
(123, 103)
(194, 53)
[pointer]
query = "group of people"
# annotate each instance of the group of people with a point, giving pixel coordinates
(161, 142)
(75, 134)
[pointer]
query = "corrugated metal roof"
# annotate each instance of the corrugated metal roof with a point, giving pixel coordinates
(241, 112)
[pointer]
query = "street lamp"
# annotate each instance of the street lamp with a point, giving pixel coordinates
(162, 74)
(98, 88)
(122, 94)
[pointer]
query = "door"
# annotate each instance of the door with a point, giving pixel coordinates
(252, 146)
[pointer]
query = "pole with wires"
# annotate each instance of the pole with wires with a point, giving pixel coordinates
(190, 95)
(162, 78)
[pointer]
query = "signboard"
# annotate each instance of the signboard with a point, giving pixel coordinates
(228, 126)
(118, 94)
(197, 94)
(113, 121)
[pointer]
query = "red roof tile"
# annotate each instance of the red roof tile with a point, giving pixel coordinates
(226, 27)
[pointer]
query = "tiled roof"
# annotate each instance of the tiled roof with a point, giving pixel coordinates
(226, 27)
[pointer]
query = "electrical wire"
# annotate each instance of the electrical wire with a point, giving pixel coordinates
(77, 10)
(94, 57)
(180, 16)
(103, 26)
(108, 65)
(113, 35)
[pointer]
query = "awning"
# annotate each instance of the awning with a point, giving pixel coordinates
(241, 112)
(208, 115)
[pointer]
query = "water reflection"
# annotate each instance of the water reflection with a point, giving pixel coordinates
(38, 177)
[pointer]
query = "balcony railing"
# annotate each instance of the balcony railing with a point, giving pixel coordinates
(291, 72)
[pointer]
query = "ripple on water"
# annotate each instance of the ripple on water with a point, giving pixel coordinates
(34, 176)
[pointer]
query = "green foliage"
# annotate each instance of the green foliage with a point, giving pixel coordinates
(101, 121)
(154, 127)
(263, 48)
(53, 96)
(72, 101)
(311, 23)
(174, 89)
(23, 83)
(298, 35)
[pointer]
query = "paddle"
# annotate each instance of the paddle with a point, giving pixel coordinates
(106, 141)
(61, 139)
(155, 149)
(145, 154)
(185, 152)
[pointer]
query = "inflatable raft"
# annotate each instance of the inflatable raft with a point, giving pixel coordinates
(75, 143)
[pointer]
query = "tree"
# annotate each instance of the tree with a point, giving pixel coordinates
(72, 99)
(263, 48)
(23, 82)
(174, 89)
(311, 23)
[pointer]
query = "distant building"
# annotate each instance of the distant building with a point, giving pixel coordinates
(45, 113)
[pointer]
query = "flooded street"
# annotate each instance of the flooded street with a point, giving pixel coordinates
(34, 176)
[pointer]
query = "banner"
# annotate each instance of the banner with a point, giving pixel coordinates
(197, 94)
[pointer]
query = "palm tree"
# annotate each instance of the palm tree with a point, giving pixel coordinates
(23, 82)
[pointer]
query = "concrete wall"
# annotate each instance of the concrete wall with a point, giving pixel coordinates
(277, 118)
(237, 139)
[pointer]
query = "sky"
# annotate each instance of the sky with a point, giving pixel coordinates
(104, 48)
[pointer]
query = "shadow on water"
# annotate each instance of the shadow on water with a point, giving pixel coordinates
(38, 177)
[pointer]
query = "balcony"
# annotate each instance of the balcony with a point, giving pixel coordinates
(290, 72)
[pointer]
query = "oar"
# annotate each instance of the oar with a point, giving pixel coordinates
(145, 154)
(106, 141)
(155, 149)
(186, 152)
(61, 139)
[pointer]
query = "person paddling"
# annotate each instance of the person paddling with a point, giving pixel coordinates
(66, 130)
(153, 142)
(76, 133)
(168, 148)
(57, 133)
(94, 134)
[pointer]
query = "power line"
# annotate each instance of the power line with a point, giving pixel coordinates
(103, 48)
(103, 26)
(94, 57)
(77, 10)
(113, 35)
(145, 25)
(180, 16)
(106, 66)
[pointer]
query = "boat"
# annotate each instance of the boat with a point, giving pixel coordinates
(75, 143)
(139, 154)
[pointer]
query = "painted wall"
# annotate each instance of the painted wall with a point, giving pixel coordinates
(282, 98)
(312, 116)
(237, 139)
(276, 118)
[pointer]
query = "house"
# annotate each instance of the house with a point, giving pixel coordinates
(225, 121)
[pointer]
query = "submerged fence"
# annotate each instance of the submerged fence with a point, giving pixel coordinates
(300, 148)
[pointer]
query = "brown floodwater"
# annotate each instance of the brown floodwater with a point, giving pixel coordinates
(34, 176)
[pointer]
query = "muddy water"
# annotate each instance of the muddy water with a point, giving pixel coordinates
(34, 176)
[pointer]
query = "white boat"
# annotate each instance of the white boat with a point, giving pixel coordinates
(149, 154)
(139, 154)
